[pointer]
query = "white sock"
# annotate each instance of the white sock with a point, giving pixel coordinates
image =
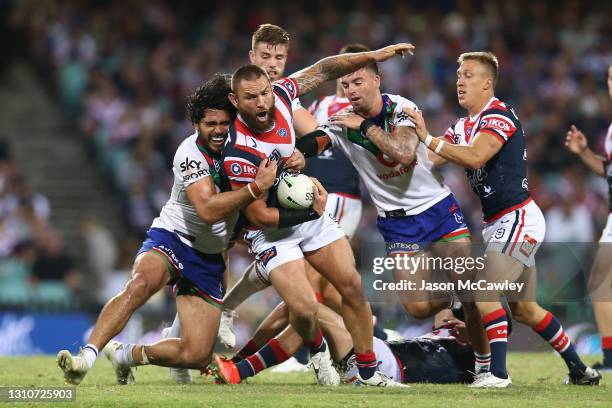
(175, 329)
(90, 354)
(482, 363)
(249, 284)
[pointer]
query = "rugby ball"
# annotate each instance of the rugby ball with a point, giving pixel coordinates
(295, 192)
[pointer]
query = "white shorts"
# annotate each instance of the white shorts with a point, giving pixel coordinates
(346, 210)
(606, 235)
(517, 233)
(273, 248)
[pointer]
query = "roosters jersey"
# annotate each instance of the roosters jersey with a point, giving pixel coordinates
(502, 182)
(332, 168)
(192, 162)
(413, 188)
(608, 147)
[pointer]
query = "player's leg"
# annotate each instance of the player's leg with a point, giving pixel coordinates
(150, 273)
(547, 326)
(600, 289)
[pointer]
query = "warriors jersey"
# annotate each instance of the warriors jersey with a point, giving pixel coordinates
(413, 188)
(192, 162)
(501, 184)
(331, 167)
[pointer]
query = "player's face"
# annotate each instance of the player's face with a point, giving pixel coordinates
(271, 58)
(472, 78)
(362, 87)
(213, 128)
(610, 81)
(255, 103)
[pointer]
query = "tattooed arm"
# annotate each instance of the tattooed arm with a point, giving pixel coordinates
(400, 145)
(339, 65)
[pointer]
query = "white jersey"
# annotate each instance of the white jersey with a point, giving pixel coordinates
(192, 163)
(391, 185)
(608, 143)
(327, 106)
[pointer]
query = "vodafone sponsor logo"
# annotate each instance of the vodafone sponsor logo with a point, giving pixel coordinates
(396, 172)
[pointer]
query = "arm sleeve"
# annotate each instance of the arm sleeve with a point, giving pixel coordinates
(190, 165)
(288, 86)
(499, 124)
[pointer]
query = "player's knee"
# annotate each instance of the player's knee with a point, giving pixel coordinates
(418, 310)
(305, 314)
(350, 289)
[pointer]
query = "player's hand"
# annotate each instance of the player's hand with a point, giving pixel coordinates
(266, 174)
(296, 162)
(390, 51)
(416, 117)
(320, 197)
(575, 141)
(455, 323)
(346, 118)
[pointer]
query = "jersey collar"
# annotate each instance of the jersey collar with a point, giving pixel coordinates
(473, 118)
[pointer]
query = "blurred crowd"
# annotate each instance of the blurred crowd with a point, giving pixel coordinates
(122, 69)
(35, 270)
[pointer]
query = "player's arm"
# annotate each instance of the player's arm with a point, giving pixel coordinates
(577, 143)
(261, 216)
(314, 143)
(303, 122)
(436, 159)
(473, 156)
(212, 206)
(339, 65)
(400, 145)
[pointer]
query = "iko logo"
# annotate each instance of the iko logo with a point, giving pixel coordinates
(235, 169)
(497, 124)
(245, 168)
(190, 164)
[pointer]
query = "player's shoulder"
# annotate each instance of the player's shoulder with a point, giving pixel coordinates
(497, 107)
(401, 102)
(188, 148)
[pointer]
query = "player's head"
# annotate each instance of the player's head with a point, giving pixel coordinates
(362, 87)
(253, 97)
(350, 48)
(476, 77)
(210, 111)
(269, 49)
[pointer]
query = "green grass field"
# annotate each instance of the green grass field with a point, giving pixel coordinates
(537, 381)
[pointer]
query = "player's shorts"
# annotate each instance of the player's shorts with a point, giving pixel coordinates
(606, 235)
(273, 248)
(193, 272)
(443, 221)
(424, 360)
(346, 210)
(517, 233)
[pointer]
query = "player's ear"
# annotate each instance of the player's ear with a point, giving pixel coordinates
(488, 84)
(251, 55)
(233, 99)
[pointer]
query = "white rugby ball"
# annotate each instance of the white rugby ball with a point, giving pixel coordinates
(295, 192)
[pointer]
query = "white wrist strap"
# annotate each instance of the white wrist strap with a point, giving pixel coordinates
(439, 146)
(428, 140)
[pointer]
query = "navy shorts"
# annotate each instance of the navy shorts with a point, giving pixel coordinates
(443, 221)
(193, 272)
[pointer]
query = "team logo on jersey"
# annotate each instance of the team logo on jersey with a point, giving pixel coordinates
(289, 86)
(528, 246)
(266, 255)
(235, 169)
(499, 233)
(525, 184)
(282, 132)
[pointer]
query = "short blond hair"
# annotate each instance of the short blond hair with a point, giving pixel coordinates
(488, 59)
(270, 34)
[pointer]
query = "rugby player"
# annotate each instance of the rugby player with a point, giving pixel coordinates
(490, 144)
(281, 239)
(184, 247)
(442, 356)
(600, 279)
(415, 206)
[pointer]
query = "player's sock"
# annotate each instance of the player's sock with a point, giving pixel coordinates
(482, 362)
(175, 329)
(366, 363)
(550, 329)
(606, 348)
(302, 355)
(90, 354)
(250, 348)
(269, 355)
(496, 325)
(316, 345)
